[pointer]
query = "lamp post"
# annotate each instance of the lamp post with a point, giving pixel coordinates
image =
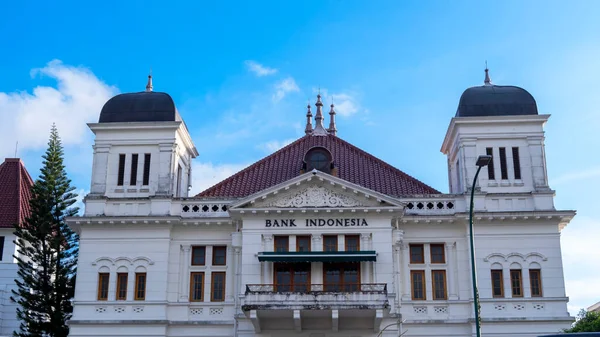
(481, 162)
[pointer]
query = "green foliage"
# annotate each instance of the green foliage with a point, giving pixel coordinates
(586, 321)
(47, 251)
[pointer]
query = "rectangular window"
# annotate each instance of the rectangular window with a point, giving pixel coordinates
(516, 162)
(416, 253)
(438, 279)
(515, 282)
(303, 243)
(294, 277)
(121, 173)
(437, 253)
(1, 247)
(282, 244)
(198, 256)
(134, 165)
(217, 286)
(140, 286)
(219, 257)
(497, 283)
(103, 279)
(196, 287)
(178, 187)
(503, 169)
(535, 278)
(146, 178)
(330, 243)
(342, 277)
(121, 286)
(417, 278)
(352, 243)
(491, 175)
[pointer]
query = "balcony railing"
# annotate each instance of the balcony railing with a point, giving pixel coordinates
(366, 288)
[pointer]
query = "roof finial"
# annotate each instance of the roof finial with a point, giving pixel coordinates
(332, 129)
(308, 129)
(319, 128)
(487, 80)
(149, 85)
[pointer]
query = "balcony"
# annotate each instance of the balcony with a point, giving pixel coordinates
(314, 305)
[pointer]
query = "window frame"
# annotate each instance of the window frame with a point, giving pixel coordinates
(303, 237)
(503, 164)
(434, 287)
(410, 253)
(423, 284)
(490, 167)
(342, 268)
(443, 246)
(214, 255)
(136, 294)
(146, 173)
(2, 240)
(516, 163)
(212, 286)
(120, 284)
(202, 280)
(354, 237)
(134, 169)
(501, 278)
(100, 289)
(291, 268)
(512, 282)
(539, 282)
(194, 248)
(277, 239)
(121, 170)
(325, 245)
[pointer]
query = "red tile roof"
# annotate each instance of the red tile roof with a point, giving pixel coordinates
(15, 192)
(352, 163)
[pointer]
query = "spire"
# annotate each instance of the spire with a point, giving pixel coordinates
(308, 129)
(149, 85)
(332, 129)
(487, 80)
(319, 128)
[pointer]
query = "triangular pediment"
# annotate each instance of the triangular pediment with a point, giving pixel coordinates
(316, 190)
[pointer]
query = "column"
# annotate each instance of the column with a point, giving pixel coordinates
(165, 158)
(398, 237)
(405, 276)
(538, 162)
(365, 245)
(100, 169)
(184, 271)
(267, 247)
(316, 270)
(452, 268)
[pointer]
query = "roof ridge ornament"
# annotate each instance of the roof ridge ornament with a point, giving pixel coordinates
(149, 84)
(308, 129)
(487, 80)
(319, 128)
(332, 129)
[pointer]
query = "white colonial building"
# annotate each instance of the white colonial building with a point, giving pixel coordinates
(319, 239)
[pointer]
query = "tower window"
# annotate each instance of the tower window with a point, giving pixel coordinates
(516, 162)
(177, 188)
(121, 173)
(490, 152)
(503, 169)
(146, 178)
(318, 158)
(134, 165)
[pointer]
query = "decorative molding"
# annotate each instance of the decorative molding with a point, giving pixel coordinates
(123, 258)
(500, 256)
(315, 196)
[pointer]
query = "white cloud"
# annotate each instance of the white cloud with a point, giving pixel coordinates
(205, 175)
(284, 87)
(346, 103)
(259, 69)
(579, 244)
(77, 99)
(274, 145)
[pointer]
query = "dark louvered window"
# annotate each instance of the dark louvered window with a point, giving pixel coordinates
(490, 152)
(121, 173)
(1, 247)
(146, 169)
(134, 165)
(503, 169)
(516, 162)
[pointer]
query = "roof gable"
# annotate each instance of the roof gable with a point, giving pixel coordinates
(15, 192)
(352, 164)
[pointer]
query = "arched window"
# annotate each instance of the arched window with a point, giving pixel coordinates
(318, 158)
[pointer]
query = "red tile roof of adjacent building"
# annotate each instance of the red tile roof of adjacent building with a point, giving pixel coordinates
(352, 164)
(15, 192)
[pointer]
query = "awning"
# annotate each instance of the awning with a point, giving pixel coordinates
(352, 256)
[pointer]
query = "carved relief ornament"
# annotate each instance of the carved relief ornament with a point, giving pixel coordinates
(315, 196)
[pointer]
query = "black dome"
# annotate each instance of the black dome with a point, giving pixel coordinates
(496, 100)
(146, 106)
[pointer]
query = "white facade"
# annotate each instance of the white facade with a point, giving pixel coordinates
(153, 229)
(8, 274)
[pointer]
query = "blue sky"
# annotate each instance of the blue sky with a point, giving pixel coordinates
(241, 74)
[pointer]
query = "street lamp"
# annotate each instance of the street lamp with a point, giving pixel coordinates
(481, 162)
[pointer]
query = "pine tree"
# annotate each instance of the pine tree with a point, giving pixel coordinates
(47, 251)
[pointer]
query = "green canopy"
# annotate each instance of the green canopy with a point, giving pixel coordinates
(350, 256)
